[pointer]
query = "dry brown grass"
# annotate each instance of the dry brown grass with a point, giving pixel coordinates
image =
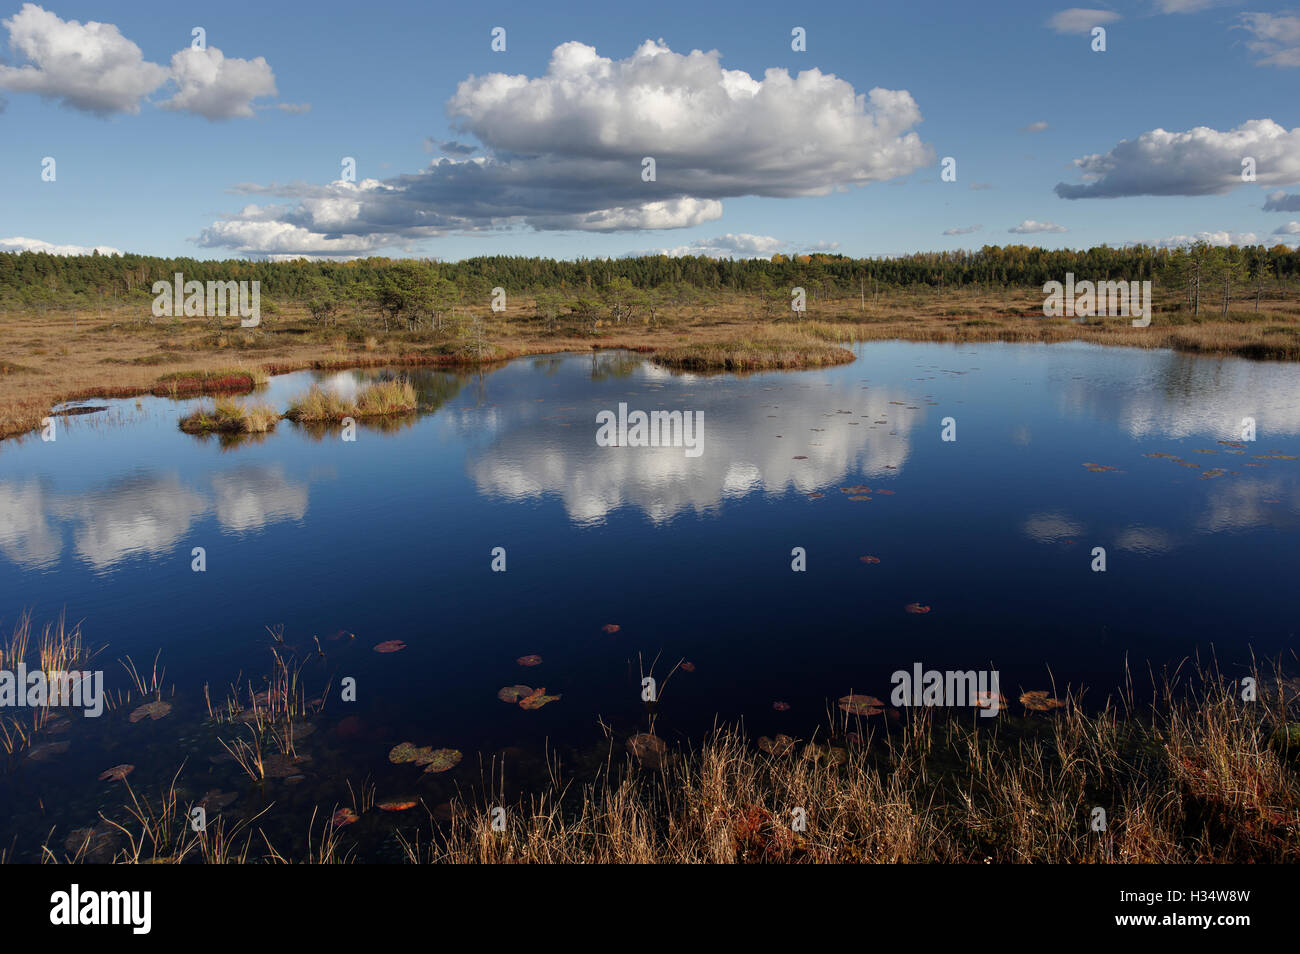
(230, 417)
(1199, 776)
(380, 399)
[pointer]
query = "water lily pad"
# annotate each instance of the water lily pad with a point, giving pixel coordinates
(688, 666)
(917, 609)
(861, 705)
(344, 816)
(390, 646)
(986, 699)
(154, 710)
(513, 694)
(869, 559)
(533, 660)
(611, 627)
(443, 759)
(278, 765)
(45, 750)
(116, 773)
(538, 699)
(397, 804)
(856, 489)
(1039, 701)
(403, 752)
(93, 844)
(859, 497)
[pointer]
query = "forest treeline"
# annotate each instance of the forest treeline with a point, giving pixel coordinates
(34, 278)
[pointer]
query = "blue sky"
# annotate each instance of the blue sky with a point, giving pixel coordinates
(378, 76)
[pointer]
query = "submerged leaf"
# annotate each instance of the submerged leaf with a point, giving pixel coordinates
(533, 660)
(917, 609)
(390, 646)
(116, 773)
(154, 710)
(861, 705)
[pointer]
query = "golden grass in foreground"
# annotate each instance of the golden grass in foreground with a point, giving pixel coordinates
(380, 399)
(1202, 777)
(230, 417)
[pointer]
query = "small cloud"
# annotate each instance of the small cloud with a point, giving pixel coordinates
(1276, 38)
(1081, 20)
(1222, 238)
(20, 244)
(1282, 202)
(296, 108)
(981, 186)
(449, 147)
(1291, 228)
(966, 230)
(1029, 226)
(1035, 127)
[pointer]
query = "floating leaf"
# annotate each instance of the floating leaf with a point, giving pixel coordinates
(344, 816)
(1039, 701)
(917, 609)
(513, 694)
(533, 660)
(611, 627)
(154, 710)
(887, 493)
(403, 752)
(856, 489)
(869, 559)
(781, 706)
(116, 773)
(538, 699)
(859, 497)
(815, 496)
(390, 646)
(987, 699)
(688, 666)
(397, 804)
(861, 705)
(800, 457)
(443, 759)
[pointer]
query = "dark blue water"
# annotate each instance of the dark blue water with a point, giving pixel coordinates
(391, 537)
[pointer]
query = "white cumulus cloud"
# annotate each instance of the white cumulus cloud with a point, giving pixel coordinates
(566, 150)
(1201, 161)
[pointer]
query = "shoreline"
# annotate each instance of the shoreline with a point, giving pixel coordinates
(124, 355)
